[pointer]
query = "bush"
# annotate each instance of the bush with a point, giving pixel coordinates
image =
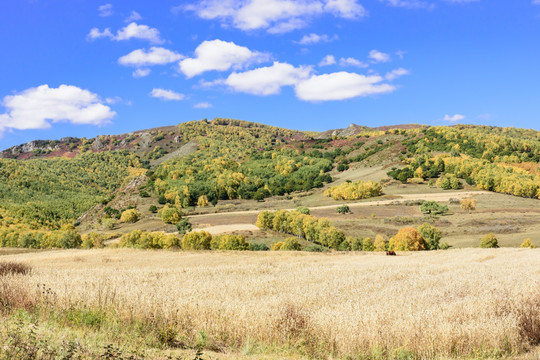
(183, 226)
(277, 246)
(130, 216)
(291, 244)
(196, 241)
(315, 248)
(367, 245)
(433, 208)
(202, 201)
(489, 241)
(13, 268)
(444, 246)
(354, 191)
(153, 209)
(92, 240)
(259, 247)
(170, 214)
(229, 242)
(527, 243)
(303, 210)
(379, 244)
(431, 234)
(467, 204)
(109, 224)
(407, 239)
(355, 243)
(343, 209)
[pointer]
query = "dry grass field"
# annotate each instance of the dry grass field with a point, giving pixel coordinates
(119, 303)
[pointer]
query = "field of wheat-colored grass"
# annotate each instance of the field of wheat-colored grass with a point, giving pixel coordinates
(472, 303)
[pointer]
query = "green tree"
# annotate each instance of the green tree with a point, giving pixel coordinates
(431, 234)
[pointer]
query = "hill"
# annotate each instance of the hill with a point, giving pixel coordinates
(206, 166)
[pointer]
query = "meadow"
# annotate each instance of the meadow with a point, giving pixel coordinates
(131, 304)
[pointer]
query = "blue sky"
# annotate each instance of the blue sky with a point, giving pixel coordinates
(84, 68)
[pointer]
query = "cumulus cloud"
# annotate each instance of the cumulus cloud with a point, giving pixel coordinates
(139, 73)
(134, 16)
(130, 31)
(267, 80)
(340, 86)
(219, 55)
(37, 108)
(453, 118)
(276, 16)
(327, 60)
(394, 74)
(154, 56)
(166, 94)
(202, 105)
(350, 61)
(105, 10)
(409, 4)
(315, 39)
(378, 57)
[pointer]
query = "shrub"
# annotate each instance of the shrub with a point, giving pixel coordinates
(229, 242)
(13, 268)
(259, 247)
(444, 246)
(354, 190)
(367, 245)
(467, 204)
(265, 220)
(343, 209)
(153, 209)
(315, 248)
(277, 246)
(407, 239)
(433, 208)
(355, 243)
(170, 214)
(449, 181)
(92, 240)
(202, 201)
(489, 241)
(431, 234)
(379, 244)
(291, 244)
(183, 226)
(527, 243)
(109, 224)
(303, 210)
(196, 241)
(130, 216)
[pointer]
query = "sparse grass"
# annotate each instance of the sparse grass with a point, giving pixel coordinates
(452, 304)
(14, 268)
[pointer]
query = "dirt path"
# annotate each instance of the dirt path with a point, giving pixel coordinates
(402, 198)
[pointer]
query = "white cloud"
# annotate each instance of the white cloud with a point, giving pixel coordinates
(536, 2)
(155, 56)
(409, 4)
(276, 16)
(131, 31)
(315, 39)
(378, 56)
(340, 86)
(453, 118)
(327, 60)
(220, 56)
(400, 53)
(37, 108)
(134, 16)
(105, 10)
(166, 94)
(202, 105)
(348, 9)
(139, 73)
(267, 80)
(352, 62)
(394, 74)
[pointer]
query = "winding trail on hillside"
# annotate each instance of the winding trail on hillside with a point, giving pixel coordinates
(402, 198)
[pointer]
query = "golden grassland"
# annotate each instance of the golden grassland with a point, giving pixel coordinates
(465, 303)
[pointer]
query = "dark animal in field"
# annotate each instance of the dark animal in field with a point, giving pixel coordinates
(391, 253)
